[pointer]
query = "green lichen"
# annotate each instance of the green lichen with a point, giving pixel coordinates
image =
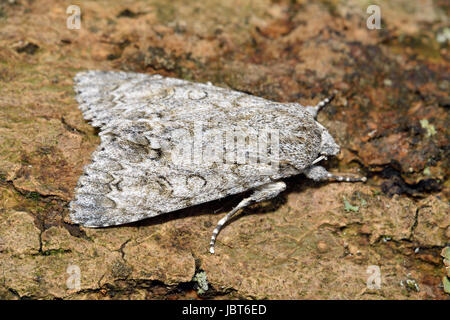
(443, 35)
(361, 199)
(431, 130)
(446, 282)
(411, 284)
(348, 207)
(202, 282)
(446, 254)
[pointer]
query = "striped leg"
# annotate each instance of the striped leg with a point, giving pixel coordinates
(319, 173)
(314, 110)
(265, 192)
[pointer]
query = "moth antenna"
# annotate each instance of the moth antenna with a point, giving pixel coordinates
(346, 178)
(314, 110)
(319, 173)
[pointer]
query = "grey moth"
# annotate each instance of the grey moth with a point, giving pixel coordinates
(168, 144)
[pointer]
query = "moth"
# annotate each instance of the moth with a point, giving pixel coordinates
(168, 144)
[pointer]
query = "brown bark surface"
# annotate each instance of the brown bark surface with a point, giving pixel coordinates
(316, 240)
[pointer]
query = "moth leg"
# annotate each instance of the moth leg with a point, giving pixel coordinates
(314, 110)
(262, 193)
(319, 173)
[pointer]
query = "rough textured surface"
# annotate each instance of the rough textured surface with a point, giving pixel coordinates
(316, 240)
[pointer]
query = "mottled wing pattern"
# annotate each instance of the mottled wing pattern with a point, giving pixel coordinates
(135, 173)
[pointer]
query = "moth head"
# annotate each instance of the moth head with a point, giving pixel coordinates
(328, 146)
